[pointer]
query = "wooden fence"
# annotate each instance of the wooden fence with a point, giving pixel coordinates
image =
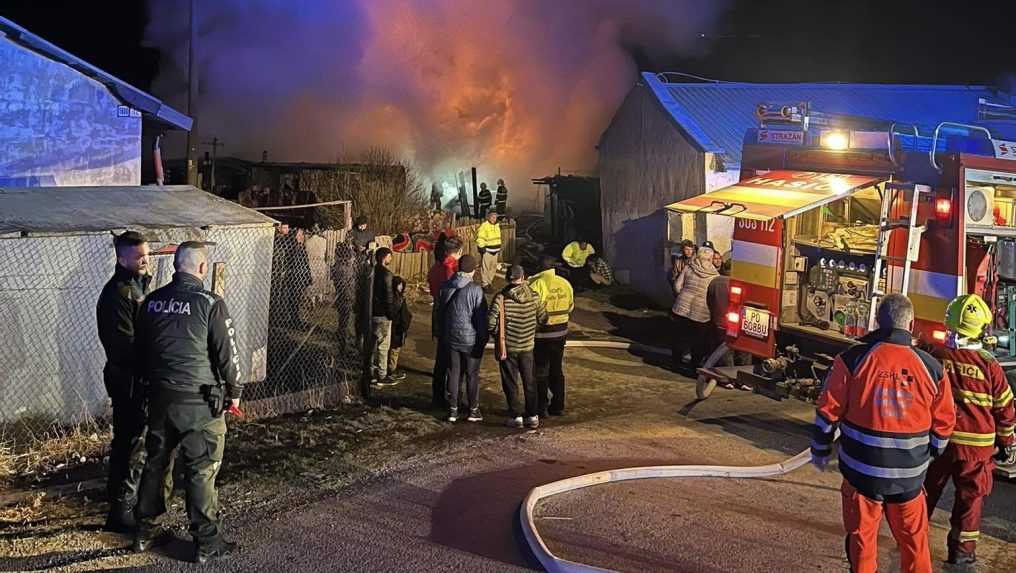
(413, 267)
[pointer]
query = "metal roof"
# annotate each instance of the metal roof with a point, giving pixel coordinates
(99, 209)
(128, 94)
(716, 115)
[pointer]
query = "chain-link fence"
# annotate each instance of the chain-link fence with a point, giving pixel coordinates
(318, 287)
(294, 298)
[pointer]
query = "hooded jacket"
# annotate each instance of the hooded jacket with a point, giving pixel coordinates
(523, 312)
(692, 286)
(463, 314)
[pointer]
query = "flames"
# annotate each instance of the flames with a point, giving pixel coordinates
(517, 88)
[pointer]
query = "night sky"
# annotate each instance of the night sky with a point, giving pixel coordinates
(783, 40)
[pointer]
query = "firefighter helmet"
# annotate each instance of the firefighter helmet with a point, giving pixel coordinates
(967, 315)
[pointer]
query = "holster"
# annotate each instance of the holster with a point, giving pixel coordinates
(215, 396)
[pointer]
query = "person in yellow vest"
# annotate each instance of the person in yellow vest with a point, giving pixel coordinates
(575, 255)
(559, 299)
(488, 239)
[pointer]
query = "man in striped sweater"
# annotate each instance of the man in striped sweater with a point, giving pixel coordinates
(513, 317)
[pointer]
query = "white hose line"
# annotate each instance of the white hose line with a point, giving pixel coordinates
(554, 564)
(609, 344)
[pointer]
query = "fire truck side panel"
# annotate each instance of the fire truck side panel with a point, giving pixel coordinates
(756, 255)
(936, 277)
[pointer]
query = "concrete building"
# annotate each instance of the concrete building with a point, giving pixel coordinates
(673, 140)
(65, 122)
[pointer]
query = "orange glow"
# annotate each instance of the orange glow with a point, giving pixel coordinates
(938, 335)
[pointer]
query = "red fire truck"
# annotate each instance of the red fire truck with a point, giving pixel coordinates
(832, 212)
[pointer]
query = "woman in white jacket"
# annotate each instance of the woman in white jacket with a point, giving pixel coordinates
(691, 308)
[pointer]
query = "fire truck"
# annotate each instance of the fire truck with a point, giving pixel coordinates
(833, 212)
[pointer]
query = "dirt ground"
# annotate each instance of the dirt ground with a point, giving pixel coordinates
(391, 487)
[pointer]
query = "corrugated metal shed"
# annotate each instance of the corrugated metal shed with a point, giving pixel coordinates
(715, 116)
(97, 209)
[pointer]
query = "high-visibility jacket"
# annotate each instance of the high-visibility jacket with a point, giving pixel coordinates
(575, 255)
(488, 237)
(984, 402)
(894, 408)
(559, 298)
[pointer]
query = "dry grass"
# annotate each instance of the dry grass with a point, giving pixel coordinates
(31, 456)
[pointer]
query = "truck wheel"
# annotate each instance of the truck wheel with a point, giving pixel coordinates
(704, 386)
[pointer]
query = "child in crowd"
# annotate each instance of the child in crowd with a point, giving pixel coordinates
(400, 328)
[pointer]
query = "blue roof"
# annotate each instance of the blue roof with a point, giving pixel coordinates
(716, 115)
(128, 94)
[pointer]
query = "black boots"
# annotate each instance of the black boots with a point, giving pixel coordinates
(205, 553)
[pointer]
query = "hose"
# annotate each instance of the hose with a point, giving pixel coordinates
(554, 564)
(608, 344)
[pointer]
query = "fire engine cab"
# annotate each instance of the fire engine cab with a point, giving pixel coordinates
(833, 212)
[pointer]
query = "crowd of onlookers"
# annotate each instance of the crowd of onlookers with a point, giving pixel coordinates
(525, 322)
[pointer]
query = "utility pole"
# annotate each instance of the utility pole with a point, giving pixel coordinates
(215, 144)
(192, 88)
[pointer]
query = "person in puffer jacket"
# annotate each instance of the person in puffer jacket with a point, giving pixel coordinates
(463, 315)
(691, 309)
(514, 315)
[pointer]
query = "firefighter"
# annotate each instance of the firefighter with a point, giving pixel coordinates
(118, 305)
(488, 239)
(187, 349)
(559, 300)
(984, 419)
(893, 407)
(484, 200)
(501, 199)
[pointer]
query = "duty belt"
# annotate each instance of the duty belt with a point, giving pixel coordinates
(174, 396)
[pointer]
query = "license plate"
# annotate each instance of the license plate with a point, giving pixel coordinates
(755, 322)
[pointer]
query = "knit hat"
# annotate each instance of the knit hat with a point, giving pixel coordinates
(467, 264)
(516, 273)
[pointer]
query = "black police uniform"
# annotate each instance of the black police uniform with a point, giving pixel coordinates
(186, 346)
(116, 310)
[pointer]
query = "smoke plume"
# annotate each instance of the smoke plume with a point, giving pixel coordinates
(517, 88)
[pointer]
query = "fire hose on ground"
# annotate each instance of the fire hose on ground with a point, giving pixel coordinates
(554, 564)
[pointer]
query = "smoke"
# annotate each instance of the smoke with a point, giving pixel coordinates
(517, 88)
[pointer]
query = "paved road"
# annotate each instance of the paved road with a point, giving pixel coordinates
(455, 509)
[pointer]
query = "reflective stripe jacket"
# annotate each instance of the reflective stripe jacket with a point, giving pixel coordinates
(894, 410)
(984, 402)
(488, 237)
(559, 298)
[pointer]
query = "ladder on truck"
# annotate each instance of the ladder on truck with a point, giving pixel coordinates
(887, 223)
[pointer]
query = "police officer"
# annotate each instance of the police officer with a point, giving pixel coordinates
(186, 346)
(117, 307)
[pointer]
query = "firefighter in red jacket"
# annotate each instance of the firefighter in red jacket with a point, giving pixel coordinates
(984, 419)
(894, 411)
